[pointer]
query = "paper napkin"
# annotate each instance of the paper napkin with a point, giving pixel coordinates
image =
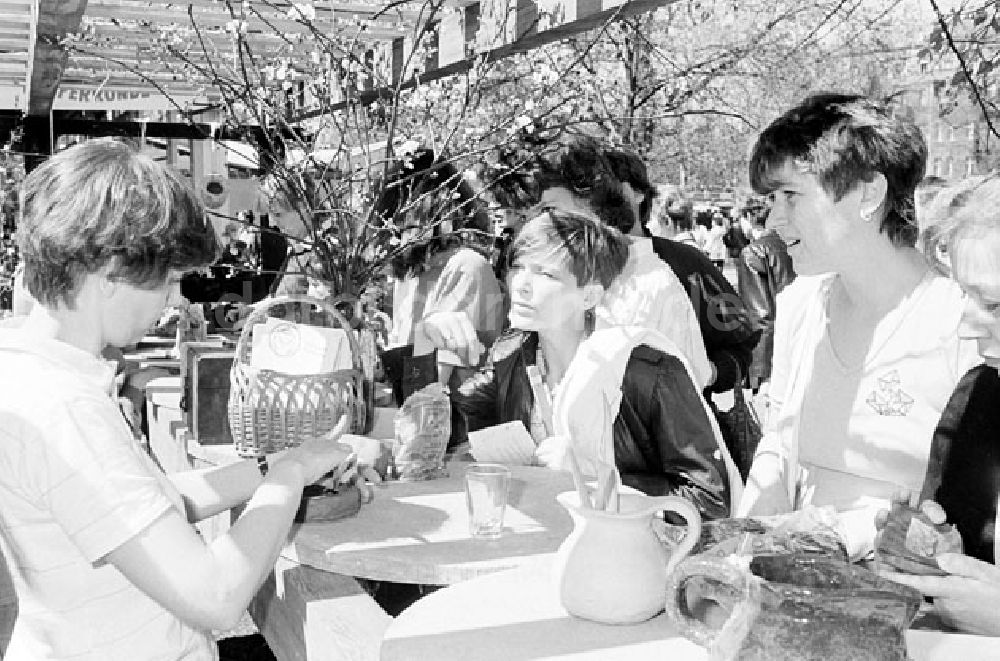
(509, 443)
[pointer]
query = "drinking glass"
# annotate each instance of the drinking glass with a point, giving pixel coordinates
(486, 496)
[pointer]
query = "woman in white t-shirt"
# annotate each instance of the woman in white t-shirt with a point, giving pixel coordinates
(866, 348)
(98, 540)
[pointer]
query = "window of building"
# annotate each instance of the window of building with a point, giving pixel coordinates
(940, 132)
(936, 170)
(972, 131)
(949, 170)
(970, 167)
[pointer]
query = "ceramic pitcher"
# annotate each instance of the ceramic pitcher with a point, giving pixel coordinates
(612, 568)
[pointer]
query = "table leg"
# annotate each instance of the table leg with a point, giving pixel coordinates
(309, 614)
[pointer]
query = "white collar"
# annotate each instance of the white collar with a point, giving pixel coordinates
(71, 359)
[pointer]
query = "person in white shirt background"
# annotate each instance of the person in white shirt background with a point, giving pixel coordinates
(715, 247)
(866, 345)
(97, 539)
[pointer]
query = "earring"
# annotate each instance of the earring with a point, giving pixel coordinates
(867, 216)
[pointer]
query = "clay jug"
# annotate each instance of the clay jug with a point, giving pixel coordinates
(612, 568)
(790, 607)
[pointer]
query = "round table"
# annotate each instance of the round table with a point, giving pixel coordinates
(418, 532)
(516, 615)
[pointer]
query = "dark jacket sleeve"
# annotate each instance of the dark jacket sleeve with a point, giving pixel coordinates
(755, 290)
(673, 450)
(476, 402)
(729, 332)
(762, 271)
(963, 471)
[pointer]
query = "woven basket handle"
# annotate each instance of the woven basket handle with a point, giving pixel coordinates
(264, 307)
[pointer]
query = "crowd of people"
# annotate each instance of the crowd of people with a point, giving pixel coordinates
(877, 357)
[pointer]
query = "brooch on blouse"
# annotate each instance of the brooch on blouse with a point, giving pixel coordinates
(889, 398)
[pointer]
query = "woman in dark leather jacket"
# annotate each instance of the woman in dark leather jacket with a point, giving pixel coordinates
(663, 440)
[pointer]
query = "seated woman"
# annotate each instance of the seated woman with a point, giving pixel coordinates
(964, 472)
(664, 439)
(866, 345)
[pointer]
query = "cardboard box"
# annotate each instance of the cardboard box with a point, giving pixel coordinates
(205, 373)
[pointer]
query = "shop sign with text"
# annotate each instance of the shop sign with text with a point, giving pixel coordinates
(97, 97)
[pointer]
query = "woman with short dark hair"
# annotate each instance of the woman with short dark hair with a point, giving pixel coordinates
(665, 441)
(866, 349)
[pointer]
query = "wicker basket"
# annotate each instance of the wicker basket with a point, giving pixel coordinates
(271, 410)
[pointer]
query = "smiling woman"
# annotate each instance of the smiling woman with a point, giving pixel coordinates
(866, 349)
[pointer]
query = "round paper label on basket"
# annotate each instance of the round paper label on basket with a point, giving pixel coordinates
(285, 339)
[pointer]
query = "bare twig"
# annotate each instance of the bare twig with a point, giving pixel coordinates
(965, 68)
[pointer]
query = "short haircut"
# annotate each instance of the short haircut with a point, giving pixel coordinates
(101, 202)
(630, 169)
(579, 164)
(594, 252)
(968, 208)
(844, 139)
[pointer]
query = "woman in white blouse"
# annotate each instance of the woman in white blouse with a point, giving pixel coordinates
(866, 349)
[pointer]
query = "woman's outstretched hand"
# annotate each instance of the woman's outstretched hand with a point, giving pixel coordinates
(320, 455)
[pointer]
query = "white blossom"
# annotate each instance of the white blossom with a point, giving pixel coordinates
(302, 11)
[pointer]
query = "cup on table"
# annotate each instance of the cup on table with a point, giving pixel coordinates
(486, 488)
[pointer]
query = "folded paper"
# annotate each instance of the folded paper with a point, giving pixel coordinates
(509, 443)
(293, 348)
